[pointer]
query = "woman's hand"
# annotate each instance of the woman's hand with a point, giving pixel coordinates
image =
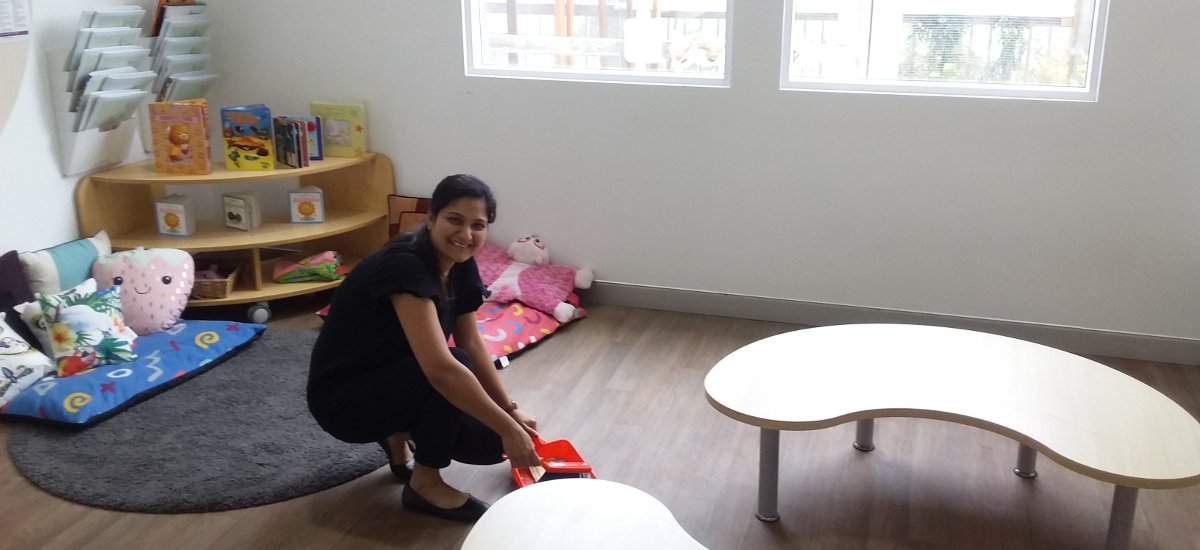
(519, 448)
(526, 420)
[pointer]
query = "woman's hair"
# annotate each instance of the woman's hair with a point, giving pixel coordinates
(447, 191)
(458, 186)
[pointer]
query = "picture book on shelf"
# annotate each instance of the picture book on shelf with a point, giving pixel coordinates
(246, 131)
(174, 215)
(179, 134)
(343, 127)
(288, 148)
(306, 205)
(303, 133)
(242, 210)
(312, 128)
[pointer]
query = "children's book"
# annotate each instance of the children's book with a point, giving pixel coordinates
(179, 133)
(106, 110)
(168, 8)
(246, 132)
(242, 210)
(306, 205)
(187, 85)
(287, 143)
(312, 133)
(301, 130)
(343, 127)
(175, 216)
(309, 129)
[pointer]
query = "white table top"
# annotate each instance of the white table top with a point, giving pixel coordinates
(1084, 415)
(578, 514)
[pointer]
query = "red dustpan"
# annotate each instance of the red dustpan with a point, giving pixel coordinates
(560, 460)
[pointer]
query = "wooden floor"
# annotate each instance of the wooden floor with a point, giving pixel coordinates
(626, 386)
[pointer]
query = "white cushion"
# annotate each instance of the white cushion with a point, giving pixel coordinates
(63, 266)
(20, 364)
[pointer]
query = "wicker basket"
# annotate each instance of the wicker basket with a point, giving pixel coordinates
(211, 289)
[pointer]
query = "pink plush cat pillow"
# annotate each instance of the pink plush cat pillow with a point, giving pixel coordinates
(525, 274)
(155, 285)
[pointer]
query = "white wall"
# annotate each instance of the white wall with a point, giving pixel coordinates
(1076, 214)
(36, 200)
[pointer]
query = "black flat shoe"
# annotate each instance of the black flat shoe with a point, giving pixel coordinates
(470, 510)
(402, 472)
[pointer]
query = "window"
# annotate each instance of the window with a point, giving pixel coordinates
(640, 41)
(1040, 49)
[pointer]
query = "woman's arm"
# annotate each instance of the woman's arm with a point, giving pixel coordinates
(466, 336)
(452, 379)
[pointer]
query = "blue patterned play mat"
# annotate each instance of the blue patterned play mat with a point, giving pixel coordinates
(164, 359)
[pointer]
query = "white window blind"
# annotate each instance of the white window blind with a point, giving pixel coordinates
(639, 41)
(1041, 49)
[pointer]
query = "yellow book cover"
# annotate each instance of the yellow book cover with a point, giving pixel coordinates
(343, 127)
(179, 134)
(248, 139)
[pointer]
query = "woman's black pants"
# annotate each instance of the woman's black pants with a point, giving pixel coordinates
(397, 397)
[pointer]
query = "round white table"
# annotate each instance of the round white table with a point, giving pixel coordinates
(578, 514)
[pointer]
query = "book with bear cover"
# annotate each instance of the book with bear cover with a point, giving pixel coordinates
(179, 134)
(247, 134)
(343, 127)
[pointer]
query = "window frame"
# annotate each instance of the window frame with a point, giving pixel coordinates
(1088, 93)
(473, 50)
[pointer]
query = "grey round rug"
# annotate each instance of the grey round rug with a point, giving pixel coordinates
(236, 436)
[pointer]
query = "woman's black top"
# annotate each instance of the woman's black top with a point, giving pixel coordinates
(362, 331)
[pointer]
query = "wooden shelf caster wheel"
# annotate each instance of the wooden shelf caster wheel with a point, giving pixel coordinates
(259, 313)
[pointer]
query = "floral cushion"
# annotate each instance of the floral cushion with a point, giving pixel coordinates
(31, 313)
(87, 330)
(20, 364)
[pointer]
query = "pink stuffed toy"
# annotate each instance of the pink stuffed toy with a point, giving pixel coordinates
(155, 284)
(525, 274)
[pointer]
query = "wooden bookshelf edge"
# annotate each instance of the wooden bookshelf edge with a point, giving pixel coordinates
(143, 172)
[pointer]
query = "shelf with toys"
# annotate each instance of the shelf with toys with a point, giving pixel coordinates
(122, 202)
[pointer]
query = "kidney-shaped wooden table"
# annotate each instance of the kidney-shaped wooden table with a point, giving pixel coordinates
(1085, 416)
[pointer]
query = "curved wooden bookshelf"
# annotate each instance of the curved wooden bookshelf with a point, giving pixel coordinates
(143, 172)
(121, 202)
(212, 235)
(271, 288)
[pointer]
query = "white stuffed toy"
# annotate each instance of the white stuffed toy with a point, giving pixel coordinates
(525, 274)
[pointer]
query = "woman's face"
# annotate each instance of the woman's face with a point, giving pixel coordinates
(458, 230)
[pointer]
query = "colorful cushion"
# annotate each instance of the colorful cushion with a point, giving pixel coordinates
(155, 285)
(509, 329)
(87, 330)
(20, 364)
(31, 314)
(63, 266)
(15, 290)
(543, 287)
(165, 359)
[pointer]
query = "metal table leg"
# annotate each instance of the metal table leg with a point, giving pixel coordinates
(864, 435)
(1120, 523)
(1026, 462)
(768, 475)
